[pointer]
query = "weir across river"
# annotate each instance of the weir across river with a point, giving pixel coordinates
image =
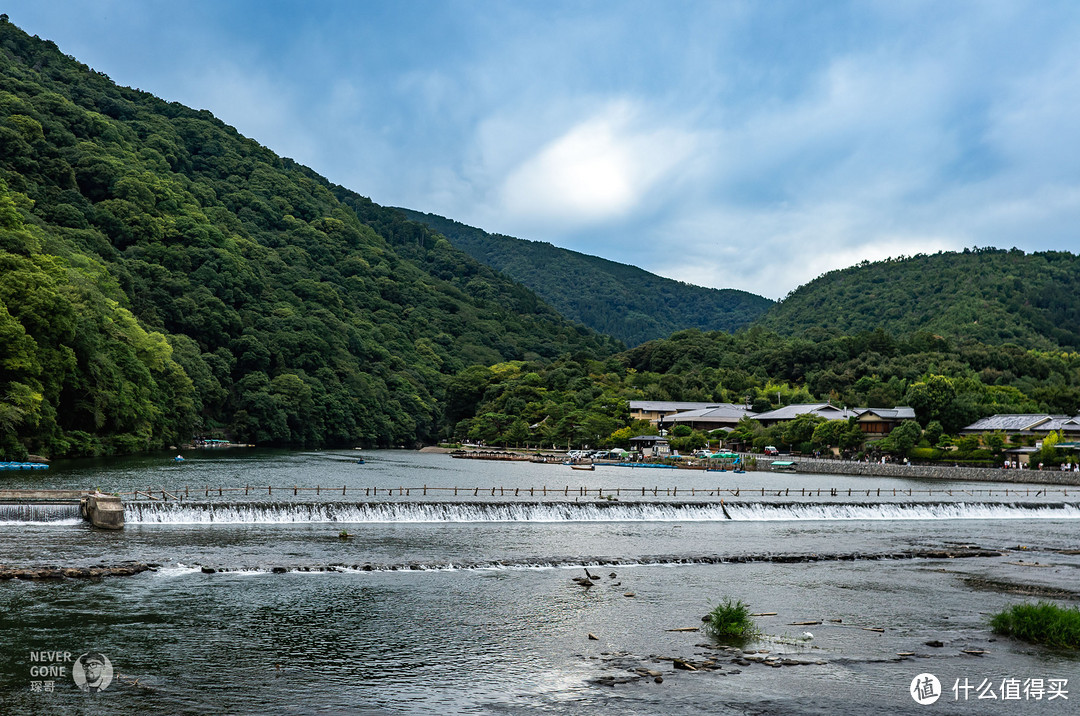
(584, 491)
(426, 503)
(100, 510)
(269, 512)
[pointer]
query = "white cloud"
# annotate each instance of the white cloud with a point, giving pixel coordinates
(773, 251)
(743, 145)
(601, 169)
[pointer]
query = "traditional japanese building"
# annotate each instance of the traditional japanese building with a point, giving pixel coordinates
(654, 410)
(725, 415)
(1038, 424)
(881, 421)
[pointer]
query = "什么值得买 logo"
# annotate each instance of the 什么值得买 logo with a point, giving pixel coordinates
(925, 689)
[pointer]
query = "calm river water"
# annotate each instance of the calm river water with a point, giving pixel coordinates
(464, 604)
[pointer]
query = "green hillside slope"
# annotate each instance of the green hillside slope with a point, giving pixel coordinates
(162, 275)
(623, 301)
(988, 295)
(947, 382)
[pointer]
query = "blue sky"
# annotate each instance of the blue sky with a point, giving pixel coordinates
(747, 145)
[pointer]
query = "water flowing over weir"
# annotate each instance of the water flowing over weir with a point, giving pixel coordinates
(553, 512)
(40, 514)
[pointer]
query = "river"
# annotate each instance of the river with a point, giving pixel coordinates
(463, 603)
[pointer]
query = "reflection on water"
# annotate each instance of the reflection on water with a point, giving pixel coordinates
(511, 634)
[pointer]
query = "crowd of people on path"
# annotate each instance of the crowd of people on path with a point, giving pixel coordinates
(1064, 467)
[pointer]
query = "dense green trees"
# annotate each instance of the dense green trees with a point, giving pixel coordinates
(948, 386)
(612, 298)
(992, 296)
(160, 276)
(954, 384)
(78, 369)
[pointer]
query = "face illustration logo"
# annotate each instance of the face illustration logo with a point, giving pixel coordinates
(92, 672)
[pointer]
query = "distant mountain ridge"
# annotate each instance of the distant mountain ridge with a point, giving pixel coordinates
(993, 296)
(616, 299)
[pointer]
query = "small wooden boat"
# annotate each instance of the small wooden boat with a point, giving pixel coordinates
(583, 467)
(782, 465)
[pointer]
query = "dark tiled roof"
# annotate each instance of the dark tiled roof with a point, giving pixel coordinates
(661, 406)
(727, 411)
(1015, 421)
(826, 410)
(900, 412)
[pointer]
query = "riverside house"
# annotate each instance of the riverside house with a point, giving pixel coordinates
(1037, 424)
(881, 421)
(874, 422)
(790, 412)
(724, 415)
(654, 410)
(650, 446)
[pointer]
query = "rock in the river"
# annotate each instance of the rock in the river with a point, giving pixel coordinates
(54, 572)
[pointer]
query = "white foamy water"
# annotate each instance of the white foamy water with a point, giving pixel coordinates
(178, 570)
(20, 515)
(759, 512)
(553, 512)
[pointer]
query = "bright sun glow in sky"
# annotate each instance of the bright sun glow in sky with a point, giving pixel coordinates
(749, 145)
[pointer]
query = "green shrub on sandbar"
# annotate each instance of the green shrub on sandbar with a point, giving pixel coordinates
(1042, 623)
(730, 619)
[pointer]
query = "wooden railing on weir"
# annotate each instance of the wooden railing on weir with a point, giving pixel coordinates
(581, 491)
(30, 495)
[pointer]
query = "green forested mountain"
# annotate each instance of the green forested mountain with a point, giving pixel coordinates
(992, 296)
(954, 382)
(579, 402)
(161, 275)
(623, 301)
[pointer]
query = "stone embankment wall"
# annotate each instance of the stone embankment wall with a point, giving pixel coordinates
(929, 472)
